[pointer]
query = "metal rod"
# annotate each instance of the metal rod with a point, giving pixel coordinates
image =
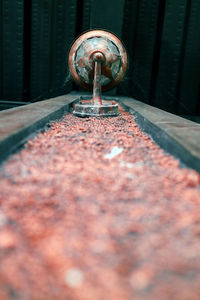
(97, 80)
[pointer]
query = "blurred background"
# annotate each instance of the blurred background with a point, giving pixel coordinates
(161, 37)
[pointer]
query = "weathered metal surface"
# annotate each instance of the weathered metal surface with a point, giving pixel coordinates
(81, 62)
(176, 135)
(17, 124)
(5, 104)
(97, 59)
(87, 109)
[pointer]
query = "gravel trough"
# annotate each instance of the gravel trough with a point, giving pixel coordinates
(93, 209)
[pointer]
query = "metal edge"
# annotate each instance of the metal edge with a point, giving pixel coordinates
(17, 138)
(163, 139)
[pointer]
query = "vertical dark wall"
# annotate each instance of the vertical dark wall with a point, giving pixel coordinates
(35, 37)
(170, 59)
(11, 49)
(189, 83)
(53, 27)
(140, 34)
(161, 36)
(163, 41)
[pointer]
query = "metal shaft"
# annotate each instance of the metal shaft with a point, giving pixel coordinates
(97, 79)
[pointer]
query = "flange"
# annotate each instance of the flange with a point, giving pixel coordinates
(87, 109)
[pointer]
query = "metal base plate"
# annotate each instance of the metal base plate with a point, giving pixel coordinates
(86, 109)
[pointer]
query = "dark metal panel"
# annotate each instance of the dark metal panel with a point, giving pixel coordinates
(130, 24)
(1, 49)
(129, 30)
(27, 48)
(170, 58)
(53, 30)
(12, 51)
(40, 50)
(14, 130)
(107, 15)
(143, 55)
(63, 33)
(86, 15)
(188, 94)
(163, 45)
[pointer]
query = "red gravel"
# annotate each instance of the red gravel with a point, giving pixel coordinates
(76, 225)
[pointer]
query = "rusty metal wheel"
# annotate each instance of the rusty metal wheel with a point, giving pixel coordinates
(81, 56)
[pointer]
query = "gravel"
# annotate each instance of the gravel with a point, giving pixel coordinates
(93, 209)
